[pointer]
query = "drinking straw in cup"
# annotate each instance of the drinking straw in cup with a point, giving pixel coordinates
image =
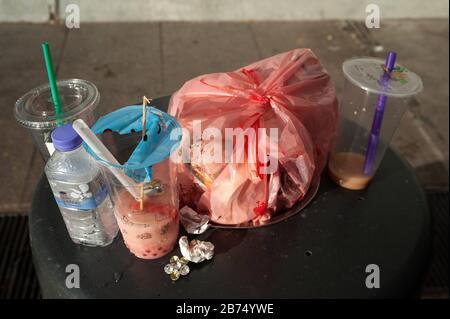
(52, 80)
(376, 95)
(103, 153)
(48, 106)
(379, 112)
(144, 124)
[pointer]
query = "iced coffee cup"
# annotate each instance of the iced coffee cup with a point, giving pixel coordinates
(376, 94)
(35, 110)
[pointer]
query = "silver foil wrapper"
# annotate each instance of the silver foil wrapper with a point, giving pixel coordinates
(193, 222)
(196, 250)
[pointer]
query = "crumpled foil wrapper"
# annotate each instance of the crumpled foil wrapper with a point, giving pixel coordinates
(197, 250)
(193, 222)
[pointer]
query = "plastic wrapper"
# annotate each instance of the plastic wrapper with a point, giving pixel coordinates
(290, 93)
(193, 222)
(196, 250)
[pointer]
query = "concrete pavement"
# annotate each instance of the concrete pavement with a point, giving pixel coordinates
(128, 60)
(215, 10)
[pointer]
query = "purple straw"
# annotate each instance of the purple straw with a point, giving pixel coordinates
(378, 117)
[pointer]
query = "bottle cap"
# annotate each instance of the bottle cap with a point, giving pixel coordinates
(65, 138)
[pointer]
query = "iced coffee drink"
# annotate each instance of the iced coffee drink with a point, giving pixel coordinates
(346, 170)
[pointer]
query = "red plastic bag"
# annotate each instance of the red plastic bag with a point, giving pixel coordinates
(291, 93)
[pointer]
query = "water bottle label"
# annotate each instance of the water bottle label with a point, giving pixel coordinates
(84, 196)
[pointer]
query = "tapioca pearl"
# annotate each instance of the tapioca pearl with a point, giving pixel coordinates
(155, 254)
(148, 251)
(160, 248)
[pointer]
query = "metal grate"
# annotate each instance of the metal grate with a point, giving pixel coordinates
(437, 280)
(17, 276)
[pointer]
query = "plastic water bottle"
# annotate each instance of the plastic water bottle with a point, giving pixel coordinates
(80, 190)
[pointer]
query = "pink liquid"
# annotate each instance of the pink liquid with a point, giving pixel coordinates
(150, 233)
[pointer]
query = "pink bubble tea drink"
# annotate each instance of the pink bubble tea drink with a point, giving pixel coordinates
(140, 174)
(149, 229)
(149, 233)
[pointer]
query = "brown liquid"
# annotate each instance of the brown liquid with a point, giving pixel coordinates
(346, 170)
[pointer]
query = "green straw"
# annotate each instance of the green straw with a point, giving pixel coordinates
(52, 81)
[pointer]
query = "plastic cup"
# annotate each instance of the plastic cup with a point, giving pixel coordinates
(363, 87)
(150, 232)
(34, 110)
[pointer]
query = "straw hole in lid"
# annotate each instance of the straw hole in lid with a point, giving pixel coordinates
(133, 130)
(159, 128)
(145, 138)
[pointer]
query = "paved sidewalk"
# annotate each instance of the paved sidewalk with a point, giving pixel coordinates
(129, 60)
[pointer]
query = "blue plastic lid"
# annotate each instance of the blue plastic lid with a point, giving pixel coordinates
(65, 138)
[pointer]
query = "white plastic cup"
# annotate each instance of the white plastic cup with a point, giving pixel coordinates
(34, 110)
(356, 115)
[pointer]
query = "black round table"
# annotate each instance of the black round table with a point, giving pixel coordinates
(321, 252)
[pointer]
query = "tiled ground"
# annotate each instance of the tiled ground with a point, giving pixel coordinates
(128, 60)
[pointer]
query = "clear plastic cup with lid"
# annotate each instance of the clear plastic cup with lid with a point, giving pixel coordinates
(35, 112)
(373, 103)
